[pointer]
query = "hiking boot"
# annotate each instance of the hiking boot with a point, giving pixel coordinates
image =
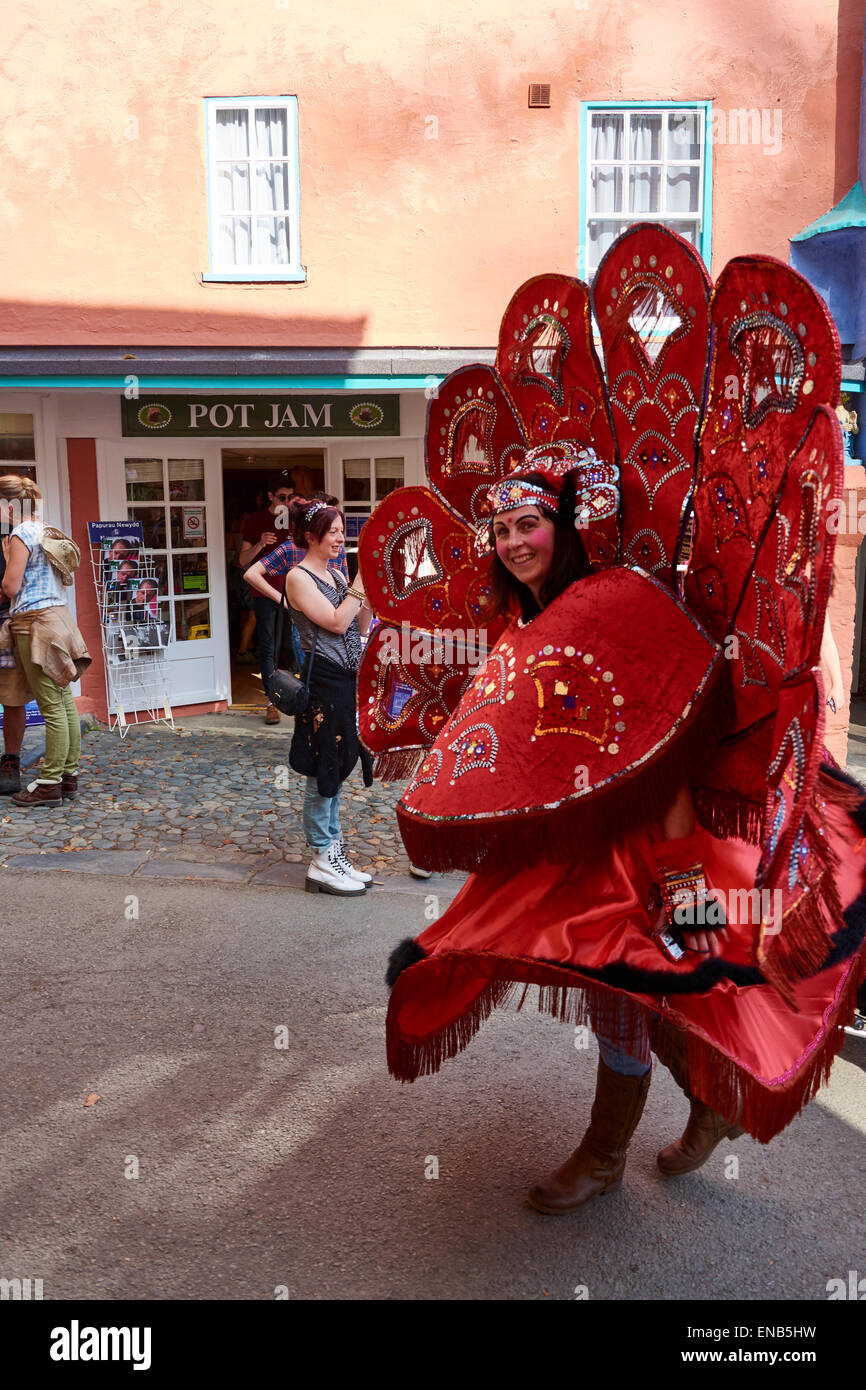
(39, 794)
(10, 774)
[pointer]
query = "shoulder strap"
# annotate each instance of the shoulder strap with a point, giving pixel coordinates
(278, 634)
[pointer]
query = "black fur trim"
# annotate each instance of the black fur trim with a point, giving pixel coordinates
(848, 939)
(845, 942)
(703, 978)
(832, 770)
(858, 816)
(406, 954)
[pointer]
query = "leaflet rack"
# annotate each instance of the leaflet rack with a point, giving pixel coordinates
(134, 635)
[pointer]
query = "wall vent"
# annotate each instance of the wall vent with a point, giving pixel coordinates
(539, 94)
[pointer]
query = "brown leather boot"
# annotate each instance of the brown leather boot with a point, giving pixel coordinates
(704, 1131)
(39, 794)
(598, 1163)
(69, 786)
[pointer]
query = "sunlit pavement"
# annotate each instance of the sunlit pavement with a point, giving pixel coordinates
(247, 1138)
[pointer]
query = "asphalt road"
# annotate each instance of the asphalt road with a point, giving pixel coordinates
(302, 1166)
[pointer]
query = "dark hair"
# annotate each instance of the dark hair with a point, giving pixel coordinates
(569, 563)
(322, 521)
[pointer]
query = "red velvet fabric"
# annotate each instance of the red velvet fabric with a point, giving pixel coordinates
(567, 709)
(553, 925)
(657, 387)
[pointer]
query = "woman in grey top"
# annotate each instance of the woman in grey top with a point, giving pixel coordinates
(325, 745)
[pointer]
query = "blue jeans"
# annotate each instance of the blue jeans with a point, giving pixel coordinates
(266, 621)
(267, 612)
(635, 1062)
(321, 817)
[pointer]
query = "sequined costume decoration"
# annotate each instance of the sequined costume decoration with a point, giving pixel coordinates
(704, 461)
(713, 428)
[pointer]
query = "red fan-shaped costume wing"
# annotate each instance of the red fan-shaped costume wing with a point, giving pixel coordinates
(550, 757)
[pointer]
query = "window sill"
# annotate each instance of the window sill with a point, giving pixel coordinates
(255, 277)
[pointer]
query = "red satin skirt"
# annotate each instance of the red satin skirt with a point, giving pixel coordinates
(583, 934)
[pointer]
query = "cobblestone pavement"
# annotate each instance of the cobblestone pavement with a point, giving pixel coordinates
(213, 799)
(194, 802)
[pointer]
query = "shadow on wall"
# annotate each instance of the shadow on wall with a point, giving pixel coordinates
(849, 75)
(81, 325)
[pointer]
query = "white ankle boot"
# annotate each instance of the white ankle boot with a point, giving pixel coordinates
(326, 875)
(348, 867)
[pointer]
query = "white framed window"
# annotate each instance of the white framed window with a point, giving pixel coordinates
(253, 189)
(644, 162)
(167, 495)
(364, 482)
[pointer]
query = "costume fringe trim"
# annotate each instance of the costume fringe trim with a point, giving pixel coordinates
(572, 829)
(762, 1110)
(728, 815)
(727, 1087)
(806, 938)
(397, 765)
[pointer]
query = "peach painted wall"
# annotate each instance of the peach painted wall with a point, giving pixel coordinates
(407, 240)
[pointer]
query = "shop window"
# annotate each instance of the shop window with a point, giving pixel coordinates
(644, 164)
(389, 476)
(253, 189)
(168, 497)
(17, 443)
(365, 482)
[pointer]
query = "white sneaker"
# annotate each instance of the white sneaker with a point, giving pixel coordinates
(339, 847)
(325, 875)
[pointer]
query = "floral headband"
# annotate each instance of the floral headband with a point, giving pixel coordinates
(596, 488)
(311, 511)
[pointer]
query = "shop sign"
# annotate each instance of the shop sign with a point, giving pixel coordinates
(282, 417)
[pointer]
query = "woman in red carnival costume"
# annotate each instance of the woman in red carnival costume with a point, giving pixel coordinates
(665, 849)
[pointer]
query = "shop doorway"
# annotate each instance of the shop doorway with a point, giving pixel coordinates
(248, 477)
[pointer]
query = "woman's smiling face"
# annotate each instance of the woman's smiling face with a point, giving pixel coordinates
(524, 543)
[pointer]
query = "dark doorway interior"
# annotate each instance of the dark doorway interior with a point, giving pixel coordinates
(247, 479)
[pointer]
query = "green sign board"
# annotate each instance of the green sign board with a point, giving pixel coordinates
(267, 416)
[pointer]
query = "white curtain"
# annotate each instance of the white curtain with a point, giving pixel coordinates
(272, 132)
(234, 234)
(268, 199)
(683, 188)
(272, 186)
(606, 146)
(644, 144)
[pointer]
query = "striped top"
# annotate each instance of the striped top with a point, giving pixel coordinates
(345, 650)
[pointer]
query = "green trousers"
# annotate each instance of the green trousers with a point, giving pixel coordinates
(57, 707)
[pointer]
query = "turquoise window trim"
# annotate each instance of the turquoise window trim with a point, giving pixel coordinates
(588, 107)
(293, 274)
(296, 277)
(225, 383)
